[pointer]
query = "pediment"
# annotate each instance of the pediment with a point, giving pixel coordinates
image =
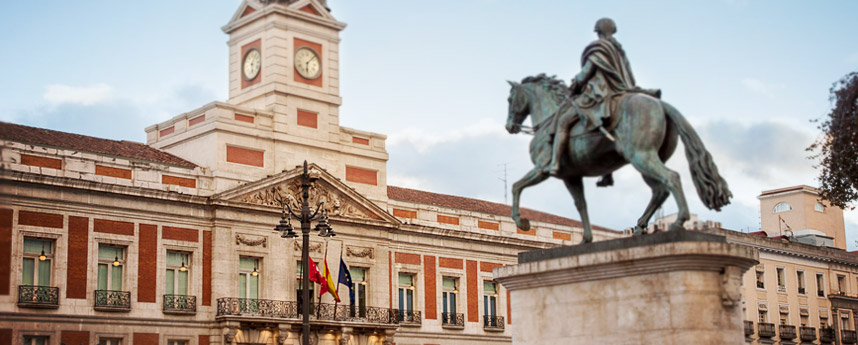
(317, 8)
(339, 199)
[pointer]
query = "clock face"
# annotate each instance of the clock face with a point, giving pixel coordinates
(252, 62)
(307, 63)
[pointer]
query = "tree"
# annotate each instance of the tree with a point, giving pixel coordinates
(837, 148)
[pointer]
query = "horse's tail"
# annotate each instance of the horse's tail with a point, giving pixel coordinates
(711, 187)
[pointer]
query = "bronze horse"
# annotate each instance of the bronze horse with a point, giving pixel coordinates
(646, 136)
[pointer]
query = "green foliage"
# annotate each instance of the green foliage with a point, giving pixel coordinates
(837, 148)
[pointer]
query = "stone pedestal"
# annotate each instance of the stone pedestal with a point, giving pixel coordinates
(667, 288)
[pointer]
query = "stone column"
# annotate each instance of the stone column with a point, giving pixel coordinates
(388, 337)
(346, 335)
(668, 288)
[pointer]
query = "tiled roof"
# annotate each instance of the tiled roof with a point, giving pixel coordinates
(476, 205)
(70, 141)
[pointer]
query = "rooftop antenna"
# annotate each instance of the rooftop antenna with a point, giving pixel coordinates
(504, 180)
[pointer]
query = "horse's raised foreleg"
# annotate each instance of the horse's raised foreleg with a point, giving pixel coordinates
(659, 194)
(575, 185)
(534, 176)
(649, 164)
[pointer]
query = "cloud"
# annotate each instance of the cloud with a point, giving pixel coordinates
(761, 88)
(423, 141)
(82, 95)
(91, 115)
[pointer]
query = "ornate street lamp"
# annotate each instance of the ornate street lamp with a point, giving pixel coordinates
(286, 231)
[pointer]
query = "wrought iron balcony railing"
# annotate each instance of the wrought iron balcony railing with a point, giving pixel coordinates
(180, 304)
(493, 323)
(826, 335)
(32, 296)
(291, 310)
(848, 337)
(766, 330)
(749, 328)
(807, 334)
(109, 300)
(453, 320)
(786, 332)
(408, 317)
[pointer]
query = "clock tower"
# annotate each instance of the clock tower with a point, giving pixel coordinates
(283, 106)
(284, 52)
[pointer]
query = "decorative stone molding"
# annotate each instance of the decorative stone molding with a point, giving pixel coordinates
(289, 193)
(315, 247)
(360, 252)
(731, 286)
(249, 241)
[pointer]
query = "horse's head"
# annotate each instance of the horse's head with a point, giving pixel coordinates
(518, 107)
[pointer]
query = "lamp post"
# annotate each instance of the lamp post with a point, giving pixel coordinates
(286, 231)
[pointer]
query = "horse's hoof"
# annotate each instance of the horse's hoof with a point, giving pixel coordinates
(639, 231)
(586, 240)
(523, 224)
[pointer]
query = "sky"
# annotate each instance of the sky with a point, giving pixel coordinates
(750, 76)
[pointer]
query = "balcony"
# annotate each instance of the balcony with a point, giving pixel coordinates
(180, 304)
(453, 320)
(749, 328)
(31, 296)
(766, 330)
(848, 337)
(807, 334)
(109, 300)
(230, 306)
(786, 332)
(493, 323)
(408, 317)
(826, 335)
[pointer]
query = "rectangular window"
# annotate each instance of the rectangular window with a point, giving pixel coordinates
(177, 342)
(763, 316)
(248, 278)
(450, 290)
(784, 318)
(359, 290)
(820, 285)
(799, 275)
(490, 303)
(804, 321)
(761, 280)
(781, 279)
(406, 296)
(841, 284)
(176, 281)
(844, 322)
(36, 265)
(36, 340)
(111, 260)
(109, 341)
(300, 286)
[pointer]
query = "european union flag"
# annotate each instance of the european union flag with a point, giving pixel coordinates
(345, 278)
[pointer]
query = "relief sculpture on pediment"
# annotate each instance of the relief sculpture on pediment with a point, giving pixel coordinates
(290, 193)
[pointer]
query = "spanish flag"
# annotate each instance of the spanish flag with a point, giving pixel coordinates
(329, 285)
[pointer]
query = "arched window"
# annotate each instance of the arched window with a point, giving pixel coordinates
(781, 207)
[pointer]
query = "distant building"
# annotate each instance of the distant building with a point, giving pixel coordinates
(805, 289)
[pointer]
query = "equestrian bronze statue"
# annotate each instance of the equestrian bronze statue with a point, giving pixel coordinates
(599, 124)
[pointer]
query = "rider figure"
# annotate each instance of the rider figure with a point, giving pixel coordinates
(605, 74)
